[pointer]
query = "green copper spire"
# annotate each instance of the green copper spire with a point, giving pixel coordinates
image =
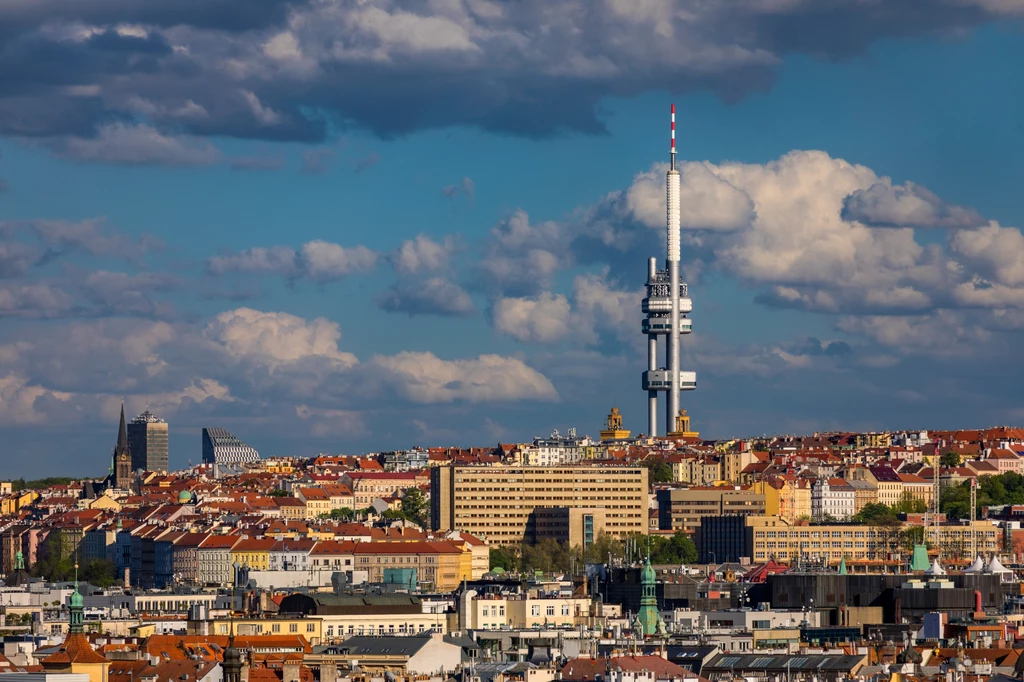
(842, 566)
(77, 608)
(648, 615)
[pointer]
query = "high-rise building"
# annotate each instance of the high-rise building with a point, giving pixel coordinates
(508, 505)
(223, 447)
(147, 441)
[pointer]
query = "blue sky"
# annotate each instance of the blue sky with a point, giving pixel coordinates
(365, 227)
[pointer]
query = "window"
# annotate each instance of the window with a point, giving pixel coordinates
(276, 627)
(310, 627)
(293, 627)
(550, 611)
(535, 610)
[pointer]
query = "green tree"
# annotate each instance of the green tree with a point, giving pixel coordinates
(505, 557)
(909, 504)
(99, 572)
(277, 492)
(414, 506)
(659, 471)
(950, 459)
(343, 514)
(874, 513)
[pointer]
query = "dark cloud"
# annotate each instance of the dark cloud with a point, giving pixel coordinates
(909, 205)
(434, 296)
(277, 70)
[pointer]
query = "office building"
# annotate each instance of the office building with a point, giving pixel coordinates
(222, 447)
(683, 508)
(721, 539)
(148, 443)
(501, 503)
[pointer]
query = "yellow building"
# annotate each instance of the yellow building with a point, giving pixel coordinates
(10, 504)
(253, 553)
(771, 537)
(613, 427)
(682, 429)
(308, 627)
(441, 565)
(683, 508)
(105, 502)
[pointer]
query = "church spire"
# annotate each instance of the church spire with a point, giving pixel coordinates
(122, 434)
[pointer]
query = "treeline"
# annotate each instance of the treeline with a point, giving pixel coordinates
(98, 572)
(21, 484)
(551, 556)
(1005, 488)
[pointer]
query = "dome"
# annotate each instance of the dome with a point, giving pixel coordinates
(184, 497)
(76, 599)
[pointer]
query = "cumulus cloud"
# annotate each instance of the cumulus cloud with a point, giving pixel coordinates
(908, 205)
(425, 378)
(597, 308)
(521, 257)
(316, 260)
(433, 296)
(995, 251)
(276, 338)
(422, 254)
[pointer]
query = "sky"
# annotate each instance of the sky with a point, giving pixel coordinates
(341, 226)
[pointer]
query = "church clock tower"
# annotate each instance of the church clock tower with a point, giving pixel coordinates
(122, 457)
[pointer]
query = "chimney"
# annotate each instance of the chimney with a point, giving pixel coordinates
(328, 672)
(290, 670)
(244, 676)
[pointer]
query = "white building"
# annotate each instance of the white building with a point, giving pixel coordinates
(832, 498)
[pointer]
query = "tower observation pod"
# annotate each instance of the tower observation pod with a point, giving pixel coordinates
(667, 306)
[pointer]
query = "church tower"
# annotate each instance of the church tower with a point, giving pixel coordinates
(76, 654)
(122, 457)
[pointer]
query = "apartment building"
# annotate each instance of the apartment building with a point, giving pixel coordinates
(682, 508)
(499, 503)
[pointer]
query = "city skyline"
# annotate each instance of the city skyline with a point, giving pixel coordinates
(319, 262)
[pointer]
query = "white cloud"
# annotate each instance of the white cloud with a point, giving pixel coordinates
(274, 339)
(425, 378)
(422, 254)
(596, 307)
(996, 252)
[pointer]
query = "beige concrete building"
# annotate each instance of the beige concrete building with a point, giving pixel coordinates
(521, 612)
(499, 503)
(682, 508)
(769, 537)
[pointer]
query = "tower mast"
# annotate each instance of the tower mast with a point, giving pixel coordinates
(672, 263)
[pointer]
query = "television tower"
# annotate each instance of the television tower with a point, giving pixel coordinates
(666, 307)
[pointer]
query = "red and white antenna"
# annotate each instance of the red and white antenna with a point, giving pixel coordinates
(672, 152)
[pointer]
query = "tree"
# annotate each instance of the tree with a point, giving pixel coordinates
(506, 558)
(909, 504)
(874, 513)
(99, 572)
(279, 493)
(659, 471)
(950, 459)
(343, 514)
(414, 506)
